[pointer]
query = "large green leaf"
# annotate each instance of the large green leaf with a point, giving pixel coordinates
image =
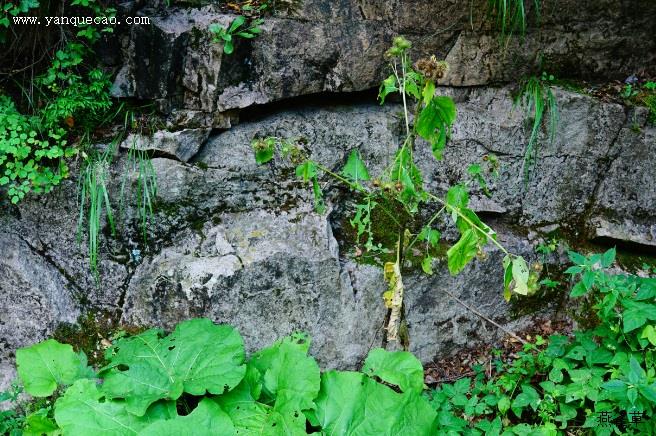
(608, 258)
(636, 314)
(139, 372)
(649, 333)
(290, 377)
(228, 46)
(38, 424)
(410, 84)
(257, 419)
(507, 276)
(84, 411)
(198, 357)
(350, 403)
(294, 380)
(429, 91)
(457, 196)
(434, 122)
(520, 274)
(264, 150)
(405, 172)
(528, 397)
(263, 156)
(429, 235)
(236, 23)
(307, 170)
(386, 87)
(469, 220)
(516, 276)
(206, 419)
(462, 252)
(355, 169)
(439, 111)
(399, 368)
(44, 366)
(252, 418)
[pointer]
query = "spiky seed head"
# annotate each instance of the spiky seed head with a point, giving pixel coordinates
(432, 69)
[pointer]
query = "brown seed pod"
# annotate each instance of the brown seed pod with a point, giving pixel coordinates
(431, 68)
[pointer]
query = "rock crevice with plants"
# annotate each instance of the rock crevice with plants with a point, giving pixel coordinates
(412, 175)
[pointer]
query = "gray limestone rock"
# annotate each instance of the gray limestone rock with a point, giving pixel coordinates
(268, 274)
(34, 298)
(625, 202)
(181, 144)
(339, 47)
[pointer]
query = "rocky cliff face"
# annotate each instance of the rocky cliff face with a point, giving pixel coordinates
(241, 243)
(337, 47)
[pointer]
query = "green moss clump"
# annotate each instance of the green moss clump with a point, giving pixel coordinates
(93, 333)
(386, 218)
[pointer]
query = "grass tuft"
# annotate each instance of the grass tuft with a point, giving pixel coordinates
(512, 15)
(93, 199)
(537, 99)
(94, 196)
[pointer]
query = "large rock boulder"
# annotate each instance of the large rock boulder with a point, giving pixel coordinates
(267, 273)
(625, 198)
(34, 297)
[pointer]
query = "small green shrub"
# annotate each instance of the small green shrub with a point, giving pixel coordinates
(600, 381)
(642, 94)
(198, 381)
(240, 26)
(95, 198)
(26, 156)
(647, 97)
(10, 10)
(12, 421)
(650, 102)
(139, 163)
(94, 201)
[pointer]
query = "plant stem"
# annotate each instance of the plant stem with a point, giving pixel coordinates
(433, 218)
(461, 215)
(402, 90)
(396, 309)
(389, 214)
(352, 185)
(479, 314)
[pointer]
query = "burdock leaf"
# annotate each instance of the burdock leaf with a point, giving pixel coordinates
(46, 365)
(198, 357)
